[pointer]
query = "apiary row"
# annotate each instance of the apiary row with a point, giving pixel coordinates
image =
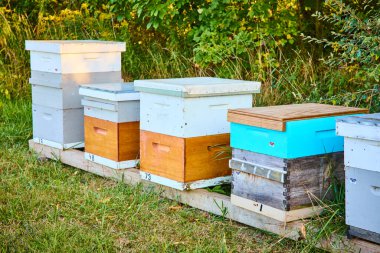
(179, 130)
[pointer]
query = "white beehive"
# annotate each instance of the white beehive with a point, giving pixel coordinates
(362, 160)
(361, 141)
(75, 56)
(190, 107)
(58, 128)
(116, 102)
(61, 90)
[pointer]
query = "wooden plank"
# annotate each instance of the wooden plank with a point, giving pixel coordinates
(235, 117)
(203, 159)
(277, 214)
(129, 140)
(297, 111)
(207, 201)
(162, 155)
(275, 117)
(101, 138)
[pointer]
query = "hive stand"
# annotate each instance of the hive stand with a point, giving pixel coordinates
(211, 202)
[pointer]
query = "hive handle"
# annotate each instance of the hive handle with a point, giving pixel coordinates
(159, 147)
(375, 190)
(219, 106)
(101, 131)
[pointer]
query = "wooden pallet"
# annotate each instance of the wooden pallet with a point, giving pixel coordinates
(202, 199)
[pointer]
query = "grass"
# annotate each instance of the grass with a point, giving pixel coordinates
(46, 206)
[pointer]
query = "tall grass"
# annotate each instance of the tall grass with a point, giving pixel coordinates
(287, 76)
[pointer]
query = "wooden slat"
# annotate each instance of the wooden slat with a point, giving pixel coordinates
(207, 201)
(203, 157)
(275, 117)
(101, 138)
(129, 140)
(162, 155)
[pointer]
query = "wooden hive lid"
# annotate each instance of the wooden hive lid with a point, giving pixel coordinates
(275, 117)
(74, 46)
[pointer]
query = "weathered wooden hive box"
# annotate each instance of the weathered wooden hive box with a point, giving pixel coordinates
(111, 124)
(184, 128)
(57, 70)
(284, 157)
(362, 160)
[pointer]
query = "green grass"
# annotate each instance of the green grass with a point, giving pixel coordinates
(46, 206)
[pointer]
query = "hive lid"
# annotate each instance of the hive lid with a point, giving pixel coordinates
(275, 117)
(197, 86)
(110, 91)
(360, 126)
(74, 46)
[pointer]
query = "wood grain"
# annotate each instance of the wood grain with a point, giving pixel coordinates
(115, 141)
(275, 117)
(162, 155)
(129, 140)
(305, 180)
(204, 157)
(183, 159)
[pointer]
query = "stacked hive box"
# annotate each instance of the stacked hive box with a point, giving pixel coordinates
(57, 69)
(362, 161)
(283, 156)
(111, 124)
(184, 128)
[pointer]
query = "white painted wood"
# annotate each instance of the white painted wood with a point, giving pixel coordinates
(110, 163)
(280, 215)
(67, 98)
(184, 186)
(207, 201)
(75, 63)
(363, 199)
(188, 117)
(56, 125)
(64, 81)
(119, 112)
(74, 46)
(360, 127)
(361, 153)
(58, 145)
(197, 86)
(110, 91)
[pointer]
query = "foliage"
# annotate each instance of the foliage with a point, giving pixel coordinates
(355, 49)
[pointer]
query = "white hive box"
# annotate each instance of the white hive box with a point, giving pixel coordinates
(362, 160)
(75, 56)
(116, 102)
(61, 90)
(111, 124)
(190, 107)
(361, 141)
(58, 128)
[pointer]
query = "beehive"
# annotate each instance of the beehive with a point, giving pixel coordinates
(184, 128)
(285, 184)
(362, 152)
(284, 157)
(57, 70)
(111, 124)
(288, 131)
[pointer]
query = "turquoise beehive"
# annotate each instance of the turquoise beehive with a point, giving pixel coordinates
(288, 131)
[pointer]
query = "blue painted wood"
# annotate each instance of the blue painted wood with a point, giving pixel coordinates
(301, 138)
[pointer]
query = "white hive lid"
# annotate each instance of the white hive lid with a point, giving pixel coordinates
(110, 91)
(360, 126)
(197, 86)
(74, 46)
